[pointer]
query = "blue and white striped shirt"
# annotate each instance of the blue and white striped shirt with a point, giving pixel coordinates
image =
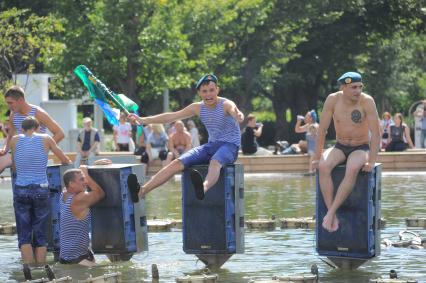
(31, 160)
(74, 234)
(18, 118)
(220, 125)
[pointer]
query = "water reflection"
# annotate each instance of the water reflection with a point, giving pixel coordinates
(267, 254)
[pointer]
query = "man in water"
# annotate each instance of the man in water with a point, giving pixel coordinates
(75, 204)
(355, 118)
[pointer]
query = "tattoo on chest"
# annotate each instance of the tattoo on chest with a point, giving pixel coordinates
(356, 116)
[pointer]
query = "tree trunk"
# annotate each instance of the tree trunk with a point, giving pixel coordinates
(281, 125)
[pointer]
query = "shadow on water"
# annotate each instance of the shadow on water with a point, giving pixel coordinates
(278, 252)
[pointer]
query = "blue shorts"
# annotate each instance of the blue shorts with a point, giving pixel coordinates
(32, 209)
(223, 152)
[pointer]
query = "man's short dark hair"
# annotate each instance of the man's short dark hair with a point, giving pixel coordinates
(15, 92)
(29, 123)
(70, 175)
(250, 117)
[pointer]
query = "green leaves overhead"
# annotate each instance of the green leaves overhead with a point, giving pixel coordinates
(287, 52)
(26, 40)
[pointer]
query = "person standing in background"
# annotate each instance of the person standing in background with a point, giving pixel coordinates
(122, 134)
(310, 128)
(195, 135)
(422, 114)
(87, 142)
(385, 124)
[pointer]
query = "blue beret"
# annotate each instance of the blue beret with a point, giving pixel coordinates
(350, 77)
(206, 78)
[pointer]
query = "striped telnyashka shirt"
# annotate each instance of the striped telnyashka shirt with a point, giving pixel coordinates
(220, 125)
(73, 233)
(30, 160)
(18, 118)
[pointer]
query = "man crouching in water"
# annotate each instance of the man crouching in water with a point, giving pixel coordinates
(355, 116)
(75, 217)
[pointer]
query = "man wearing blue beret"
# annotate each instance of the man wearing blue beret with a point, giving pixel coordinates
(355, 116)
(221, 117)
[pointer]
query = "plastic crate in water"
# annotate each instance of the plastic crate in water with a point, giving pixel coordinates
(214, 225)
(118, 225)
(358, 235)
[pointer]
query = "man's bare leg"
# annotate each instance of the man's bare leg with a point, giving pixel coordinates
(212, 174)
(161, 177)
(27, 253)
(356, 160)
(5, 161)
(40, 255)
(330, 159)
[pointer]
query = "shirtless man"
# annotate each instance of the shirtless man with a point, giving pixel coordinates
(180, 141)
(355, 117)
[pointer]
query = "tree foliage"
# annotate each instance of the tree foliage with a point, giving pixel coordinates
(27, 40)
(281, 55)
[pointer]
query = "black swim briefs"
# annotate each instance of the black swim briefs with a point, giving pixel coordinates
(347, 149)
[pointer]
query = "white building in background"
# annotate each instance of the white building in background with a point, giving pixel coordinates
(64, 112)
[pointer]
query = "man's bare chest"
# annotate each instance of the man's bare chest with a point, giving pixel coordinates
(354, 116)
(179, 139)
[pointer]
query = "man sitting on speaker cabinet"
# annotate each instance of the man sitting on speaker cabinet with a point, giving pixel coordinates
(75, 203)
(221, 118)
(355, 119)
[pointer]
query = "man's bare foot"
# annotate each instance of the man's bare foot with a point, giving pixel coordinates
(330, 222)
(335, 225)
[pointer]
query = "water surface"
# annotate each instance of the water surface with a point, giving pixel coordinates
(279, 252)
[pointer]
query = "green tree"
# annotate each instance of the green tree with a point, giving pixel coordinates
(26, 44)
(341, 37)
(135, 47)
